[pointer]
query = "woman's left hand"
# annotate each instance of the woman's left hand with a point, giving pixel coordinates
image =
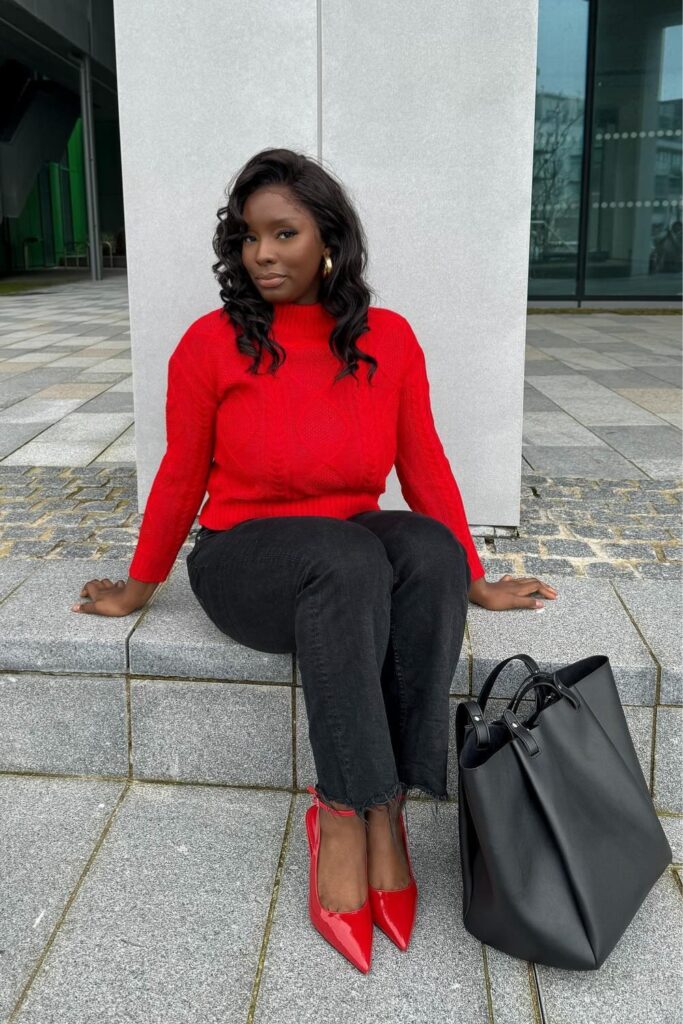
(508, 592)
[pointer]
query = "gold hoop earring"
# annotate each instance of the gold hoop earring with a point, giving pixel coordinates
(328, 267)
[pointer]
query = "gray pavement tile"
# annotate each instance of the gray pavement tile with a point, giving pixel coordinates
(38, 410)
(673, 827)
(627, 379)
(14, 435)
(654, 449)
(177, 638)
(65, 724)
(535, 401)
(39, 632)
(109, 402)
(168, 924)
(672, 375)
(88, 426)
(234, 733)
(439, 979)
(646, 359)
(585, 619)
(639, 983)
(591, 403)
(512, 997)
(657, 609)
(540, 369)
(580, 357)
(668, 787)
(574, 460)
(555, 428)
(13, 572)
(50, 828)
(56, 453)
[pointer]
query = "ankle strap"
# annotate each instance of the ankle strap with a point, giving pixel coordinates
(319, 802)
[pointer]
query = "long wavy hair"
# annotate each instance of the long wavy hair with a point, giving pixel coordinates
(344, 294)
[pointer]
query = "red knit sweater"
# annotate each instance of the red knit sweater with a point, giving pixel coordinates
(293, 443)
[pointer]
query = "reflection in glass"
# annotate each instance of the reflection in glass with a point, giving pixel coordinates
(634, 223)
(558, 147)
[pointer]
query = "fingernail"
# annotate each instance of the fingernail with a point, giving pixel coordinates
(75, 607)
(539, 604)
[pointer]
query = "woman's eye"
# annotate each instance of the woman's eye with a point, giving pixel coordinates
(284, 231)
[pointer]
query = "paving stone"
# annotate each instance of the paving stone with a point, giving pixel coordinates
(511, 988)
(673, 826)
(542, 568)
(639, 983)
(581, 461)
(177, 638)
(238, 734)
(657, 610)
(659, 570)
(50, 828)
(554, 428)
(668, 788)
(654, 449)
(641, 552)
(440, 979)
(12, 575)
(586, 618)
(39, 632)
(69, 724)
(568, 548)
(608, 571)
(168, 924)
(523, 545)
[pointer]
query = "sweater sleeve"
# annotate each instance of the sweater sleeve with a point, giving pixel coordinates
(181, 479)
(423, 470)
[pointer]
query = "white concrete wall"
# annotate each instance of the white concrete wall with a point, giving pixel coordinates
(424, 111)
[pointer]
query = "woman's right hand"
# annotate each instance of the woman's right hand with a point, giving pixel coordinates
(119, 598)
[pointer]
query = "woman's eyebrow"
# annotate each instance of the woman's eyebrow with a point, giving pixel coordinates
(280, 220)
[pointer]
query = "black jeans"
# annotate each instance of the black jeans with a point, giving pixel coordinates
(374, 607)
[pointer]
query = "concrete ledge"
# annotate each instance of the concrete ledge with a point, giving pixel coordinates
(163, 695)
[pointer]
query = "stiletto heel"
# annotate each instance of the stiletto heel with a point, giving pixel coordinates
(349, 931)
(393, 910)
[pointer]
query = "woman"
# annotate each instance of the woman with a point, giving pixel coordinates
(294, 552)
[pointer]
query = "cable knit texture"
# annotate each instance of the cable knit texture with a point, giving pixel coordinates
(293, 443)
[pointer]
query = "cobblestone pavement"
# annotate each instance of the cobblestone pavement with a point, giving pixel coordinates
(569, 526)
(601, 485)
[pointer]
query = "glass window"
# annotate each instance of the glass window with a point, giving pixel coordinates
(558, 147)
(634, 204)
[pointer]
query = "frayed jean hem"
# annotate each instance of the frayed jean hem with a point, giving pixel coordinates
(396, 794)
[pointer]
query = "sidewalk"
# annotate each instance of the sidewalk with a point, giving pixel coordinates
(154, 861)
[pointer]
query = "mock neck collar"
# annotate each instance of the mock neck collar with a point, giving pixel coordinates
(297, 320)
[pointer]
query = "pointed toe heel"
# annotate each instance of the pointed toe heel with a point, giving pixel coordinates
(394, 910)
(350, 932)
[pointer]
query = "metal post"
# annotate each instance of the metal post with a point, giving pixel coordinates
(90, 174)
(584, 207)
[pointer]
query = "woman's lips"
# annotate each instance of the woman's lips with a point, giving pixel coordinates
(270, 282)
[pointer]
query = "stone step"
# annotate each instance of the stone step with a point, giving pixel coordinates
(163, 695)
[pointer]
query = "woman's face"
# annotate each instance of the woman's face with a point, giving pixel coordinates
(282, 239)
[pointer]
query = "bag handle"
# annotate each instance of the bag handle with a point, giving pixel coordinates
(485, 691)
(468, 713)
(471, 712)
(543, 681)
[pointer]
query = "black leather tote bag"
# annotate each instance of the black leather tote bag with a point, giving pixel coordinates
(559, 839)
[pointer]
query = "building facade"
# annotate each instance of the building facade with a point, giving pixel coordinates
(606, 201)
